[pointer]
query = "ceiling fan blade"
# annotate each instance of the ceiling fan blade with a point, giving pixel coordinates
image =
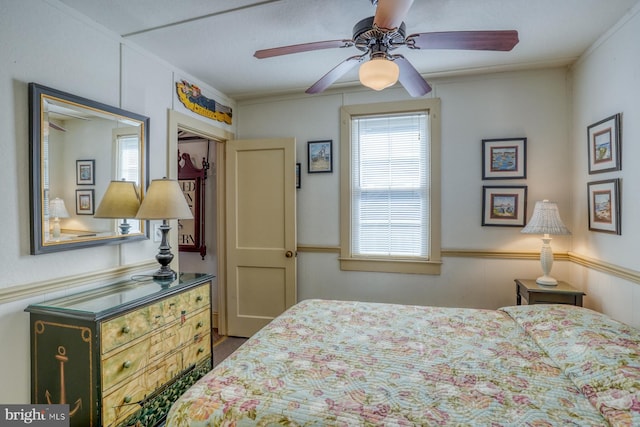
(410, 79)
(337, 72)
(304, 47)
(503, 40)
(391, 13)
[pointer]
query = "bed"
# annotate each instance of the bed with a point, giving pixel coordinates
(340, 363)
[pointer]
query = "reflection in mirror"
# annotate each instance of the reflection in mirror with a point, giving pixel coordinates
(78, 147)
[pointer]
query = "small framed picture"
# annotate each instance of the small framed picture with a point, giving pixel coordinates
(85, 174)
(320, 156)
(604, 145)
(84, 202)
(504, 158)
(298, 166)
(504, 206)
(604, 206)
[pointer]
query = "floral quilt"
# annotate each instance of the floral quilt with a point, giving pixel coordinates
(341, 363)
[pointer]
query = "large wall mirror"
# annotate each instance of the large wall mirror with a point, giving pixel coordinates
(77, 148)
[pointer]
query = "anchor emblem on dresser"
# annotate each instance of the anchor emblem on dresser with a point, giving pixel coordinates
(62, 358)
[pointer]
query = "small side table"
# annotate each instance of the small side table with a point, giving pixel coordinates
(533, 293)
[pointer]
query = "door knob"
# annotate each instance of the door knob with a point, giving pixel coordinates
(288, 254)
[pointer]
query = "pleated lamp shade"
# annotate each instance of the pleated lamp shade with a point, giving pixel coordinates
(545, 220)
(57, 208)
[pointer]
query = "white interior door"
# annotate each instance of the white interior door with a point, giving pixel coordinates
(261, 232)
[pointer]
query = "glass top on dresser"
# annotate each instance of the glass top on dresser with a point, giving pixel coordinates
(101, 301)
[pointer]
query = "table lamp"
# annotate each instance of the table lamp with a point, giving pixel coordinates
(164, 201)
(57, 210)
(546, 220)
(120, 201)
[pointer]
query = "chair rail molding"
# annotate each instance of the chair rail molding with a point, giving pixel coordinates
(29, 290)
(583, 260)
(605, 267)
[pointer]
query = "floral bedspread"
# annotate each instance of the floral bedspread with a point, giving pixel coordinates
(339, 363)
(600, 355)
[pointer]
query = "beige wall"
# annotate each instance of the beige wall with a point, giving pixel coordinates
(606, 81)
(531, 104)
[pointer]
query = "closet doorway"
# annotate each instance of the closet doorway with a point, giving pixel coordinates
(203, 143)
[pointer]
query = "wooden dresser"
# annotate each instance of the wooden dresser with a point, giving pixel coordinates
(120, 355)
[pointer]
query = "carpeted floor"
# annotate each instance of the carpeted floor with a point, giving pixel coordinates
(223, 346)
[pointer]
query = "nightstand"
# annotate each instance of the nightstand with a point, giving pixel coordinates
(533, 293)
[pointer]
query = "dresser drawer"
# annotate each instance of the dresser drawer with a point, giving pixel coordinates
(124, 329)
(199, 349)
(124, 364)
(164, 341)
(163, 370)
(124, 400)
(187, 302)
(194, 324)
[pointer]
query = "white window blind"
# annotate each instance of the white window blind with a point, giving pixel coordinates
(128, 158)
(127, 165)
(390, 186)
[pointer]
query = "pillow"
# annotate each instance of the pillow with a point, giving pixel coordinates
(600, 355)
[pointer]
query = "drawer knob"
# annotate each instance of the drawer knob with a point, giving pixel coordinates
(200, 350)
(200, 324)
(127, 399)
(199, 298)
(126, 364)
(125, 330)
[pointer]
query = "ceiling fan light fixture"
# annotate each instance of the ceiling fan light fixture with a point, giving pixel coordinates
(379, 73)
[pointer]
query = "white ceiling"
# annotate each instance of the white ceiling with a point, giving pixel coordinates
(214, 40)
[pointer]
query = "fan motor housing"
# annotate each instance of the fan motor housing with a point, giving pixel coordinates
(367, 37)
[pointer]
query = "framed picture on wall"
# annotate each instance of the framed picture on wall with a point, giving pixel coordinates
(84, 202)
(298, 166)
(504, 206)
(604, 145)
(504, 158)
(85, 174)
(320, 156)
(604, 206)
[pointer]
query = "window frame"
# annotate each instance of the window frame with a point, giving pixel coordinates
(117, 135)
(389, 264)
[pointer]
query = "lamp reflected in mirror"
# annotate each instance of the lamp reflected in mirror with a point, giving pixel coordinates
(120, 201)
(57, 210)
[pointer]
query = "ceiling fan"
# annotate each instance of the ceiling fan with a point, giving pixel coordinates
(379, 35)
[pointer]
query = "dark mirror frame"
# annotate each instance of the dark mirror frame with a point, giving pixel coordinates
(36, 93)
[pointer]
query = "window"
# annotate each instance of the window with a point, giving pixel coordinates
(126, 152)
(390, 187)
(127, 160)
